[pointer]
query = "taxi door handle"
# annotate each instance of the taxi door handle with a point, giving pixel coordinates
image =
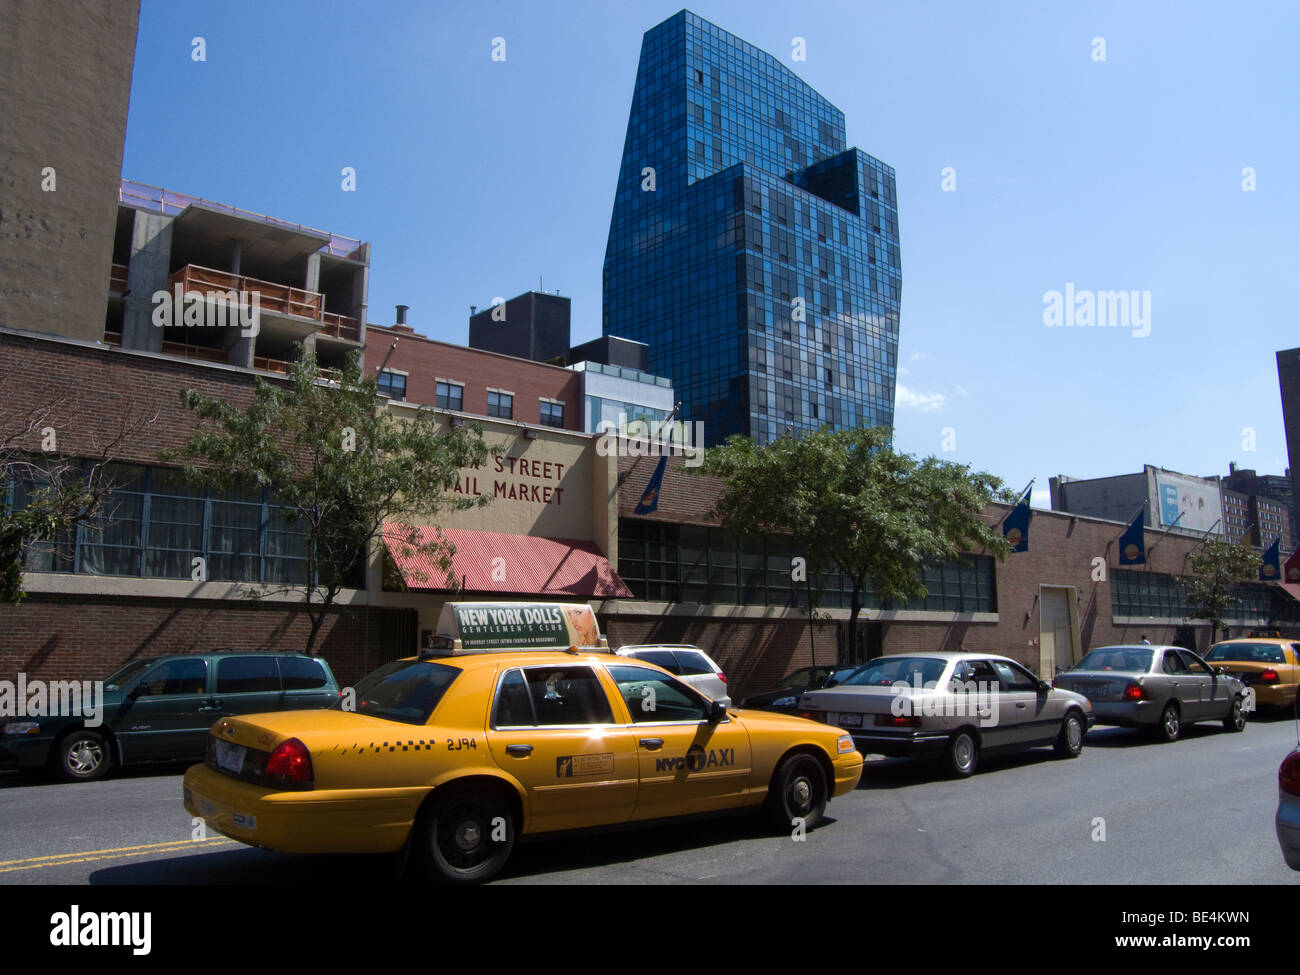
(652, 744)
(519, 751)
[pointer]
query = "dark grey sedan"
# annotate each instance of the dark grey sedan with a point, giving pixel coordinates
(1157, 687)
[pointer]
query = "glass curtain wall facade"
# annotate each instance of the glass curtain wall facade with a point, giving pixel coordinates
(752, 250)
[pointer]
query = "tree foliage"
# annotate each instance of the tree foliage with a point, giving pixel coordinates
(340, 463)
(1214, 571)
(858, 506)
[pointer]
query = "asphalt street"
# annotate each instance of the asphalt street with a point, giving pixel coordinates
(1198, 811)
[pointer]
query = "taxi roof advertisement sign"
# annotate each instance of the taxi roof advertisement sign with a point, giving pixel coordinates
(481, 626)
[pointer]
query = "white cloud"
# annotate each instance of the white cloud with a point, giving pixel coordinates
(925, 402)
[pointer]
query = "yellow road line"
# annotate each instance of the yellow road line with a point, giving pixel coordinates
(121, 852)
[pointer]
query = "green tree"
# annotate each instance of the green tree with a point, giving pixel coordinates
(858, 506)
(340, 463)
(1214, 571)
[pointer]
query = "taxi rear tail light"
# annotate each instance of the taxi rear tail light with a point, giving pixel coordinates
(1269, 676)
(1288, 776)
(721, 676)
(1133, 692)
(289, 766)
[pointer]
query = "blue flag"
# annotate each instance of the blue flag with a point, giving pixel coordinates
(1015, 527)
(1133, 543)
(1270, 567)
(650, 499)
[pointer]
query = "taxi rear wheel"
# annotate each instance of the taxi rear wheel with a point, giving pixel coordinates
(465, 839)
(797, 795)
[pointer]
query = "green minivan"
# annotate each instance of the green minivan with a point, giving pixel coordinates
(159, 709)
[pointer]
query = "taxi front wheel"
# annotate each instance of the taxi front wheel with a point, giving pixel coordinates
(797, 796)
(464, 839)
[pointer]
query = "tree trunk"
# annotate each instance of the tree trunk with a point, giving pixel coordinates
(812, 630)
(317, 619)
(855, 607)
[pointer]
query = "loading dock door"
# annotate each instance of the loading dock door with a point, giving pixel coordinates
(1058, 630)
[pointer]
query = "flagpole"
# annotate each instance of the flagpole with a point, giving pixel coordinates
(667, 420)
(1166, 531)
(1128, 524)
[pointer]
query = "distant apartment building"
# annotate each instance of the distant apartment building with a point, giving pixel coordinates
(1274, 502)
(1236, 515)
(1179, 502)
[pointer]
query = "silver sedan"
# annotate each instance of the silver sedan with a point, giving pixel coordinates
(1158, 687)
(951, 706)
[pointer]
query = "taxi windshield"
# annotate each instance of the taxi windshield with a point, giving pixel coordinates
(404, 690)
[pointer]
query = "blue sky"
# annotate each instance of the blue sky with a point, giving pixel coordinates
(478, 178)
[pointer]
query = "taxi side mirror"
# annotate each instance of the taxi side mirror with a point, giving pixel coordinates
(717, 712)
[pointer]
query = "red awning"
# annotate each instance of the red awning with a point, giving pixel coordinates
(529, 566)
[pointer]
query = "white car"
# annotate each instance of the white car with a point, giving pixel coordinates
(690, 664)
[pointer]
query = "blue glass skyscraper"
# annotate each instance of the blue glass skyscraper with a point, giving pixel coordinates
(753, 252)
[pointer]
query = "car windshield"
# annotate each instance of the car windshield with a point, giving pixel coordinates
(125, 674)
(1130, 660)
(404, 690)
(1259, 653)
(887, 671)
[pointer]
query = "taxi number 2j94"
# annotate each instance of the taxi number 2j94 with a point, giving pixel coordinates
(456, 744)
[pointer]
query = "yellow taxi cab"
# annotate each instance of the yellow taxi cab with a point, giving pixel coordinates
(521, 721)
(1268, 665)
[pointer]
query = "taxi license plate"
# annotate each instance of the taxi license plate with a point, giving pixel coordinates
(850, 721)
(230, 758)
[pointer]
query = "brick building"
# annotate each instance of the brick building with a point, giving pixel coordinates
(452, 377)
(1044, 607)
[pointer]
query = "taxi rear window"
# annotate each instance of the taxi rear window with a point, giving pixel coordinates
(1263, 653)
(404, 690)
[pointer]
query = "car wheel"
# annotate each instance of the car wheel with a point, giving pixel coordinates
(797, 792)
(1171, 723)
(82, 756)
(1069, 743)
(1236, 719)
(464, 839)
(962, 755)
